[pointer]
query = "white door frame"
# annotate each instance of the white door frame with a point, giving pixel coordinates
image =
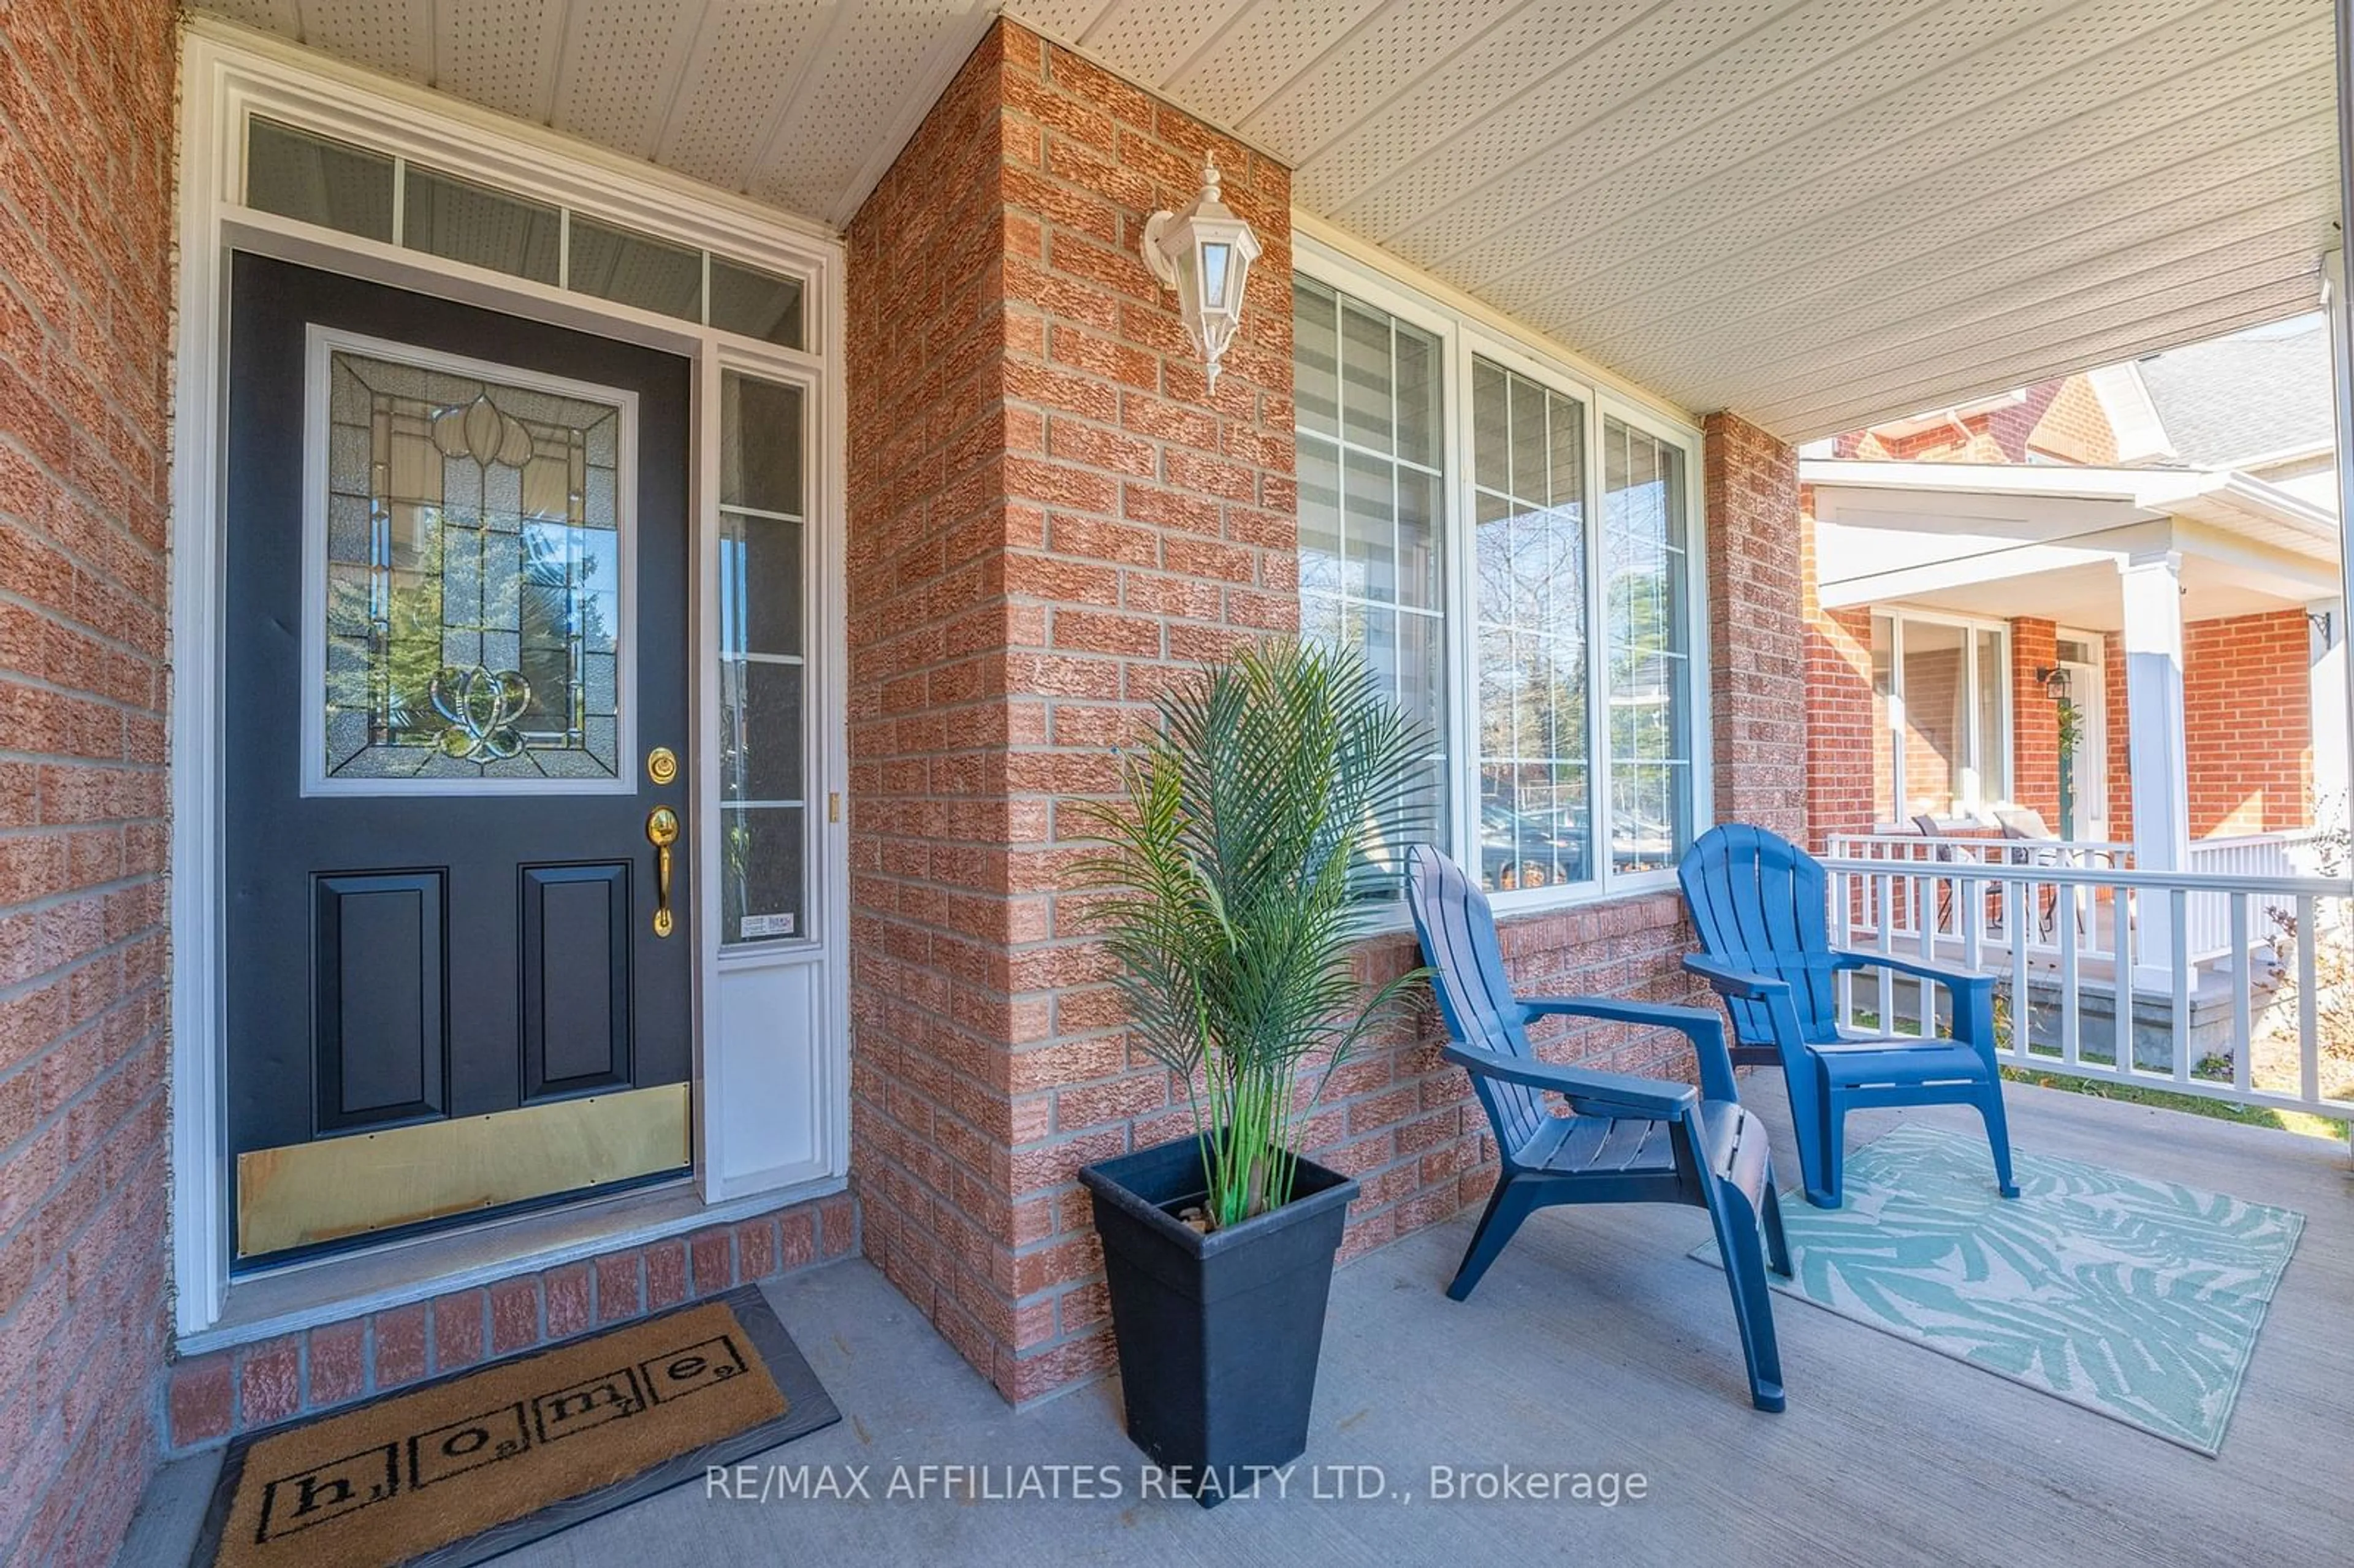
(789, 1135)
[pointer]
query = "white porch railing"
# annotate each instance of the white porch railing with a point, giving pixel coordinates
(2269, 1021)
(2295, 853)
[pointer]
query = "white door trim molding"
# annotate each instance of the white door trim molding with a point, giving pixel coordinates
(227, 73)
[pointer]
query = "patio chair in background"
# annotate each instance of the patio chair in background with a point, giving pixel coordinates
(1758, 902)
(1630, 1141)
(2025, 825)
(1928, 827)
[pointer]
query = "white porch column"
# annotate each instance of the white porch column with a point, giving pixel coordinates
(2157, 752)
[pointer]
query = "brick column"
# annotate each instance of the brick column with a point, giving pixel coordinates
(2120, 727)
(1050, 515)
(86, 113)
(2035, 720)
(1757, 631)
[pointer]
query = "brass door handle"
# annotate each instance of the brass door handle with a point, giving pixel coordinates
(662, 831)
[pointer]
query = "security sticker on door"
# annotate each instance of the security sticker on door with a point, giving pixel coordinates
(755, 927)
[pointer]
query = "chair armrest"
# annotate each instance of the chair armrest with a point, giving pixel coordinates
(1953, 980)
(1703, 1028)
(1731, 981)
(1618, 1095)
(1973, 994)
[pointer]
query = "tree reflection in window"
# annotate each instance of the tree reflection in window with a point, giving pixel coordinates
(474, 575)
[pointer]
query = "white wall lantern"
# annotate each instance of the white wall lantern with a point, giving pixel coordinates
(1204, 253)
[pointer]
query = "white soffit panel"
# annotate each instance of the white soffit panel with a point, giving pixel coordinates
(621, 63)
(501, 54)
(1815, 212)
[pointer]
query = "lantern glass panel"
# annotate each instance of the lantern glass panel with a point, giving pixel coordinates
(1217, 259)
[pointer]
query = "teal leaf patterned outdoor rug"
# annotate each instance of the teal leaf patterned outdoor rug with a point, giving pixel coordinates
(2138, 1298)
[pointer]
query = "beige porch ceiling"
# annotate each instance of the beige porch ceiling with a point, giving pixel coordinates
(1815, 212)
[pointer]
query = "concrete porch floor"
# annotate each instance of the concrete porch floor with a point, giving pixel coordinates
(1595, 1344)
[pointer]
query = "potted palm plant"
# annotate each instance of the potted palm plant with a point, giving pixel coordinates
(1238, 869)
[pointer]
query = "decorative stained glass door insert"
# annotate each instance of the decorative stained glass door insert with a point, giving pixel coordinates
(472, 578)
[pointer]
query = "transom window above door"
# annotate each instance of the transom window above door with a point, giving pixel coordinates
(356, 190)
(1510, 549)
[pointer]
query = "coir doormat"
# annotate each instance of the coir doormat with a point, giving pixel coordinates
(470, 1465)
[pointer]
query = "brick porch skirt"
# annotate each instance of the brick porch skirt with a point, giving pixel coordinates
(217, 1395)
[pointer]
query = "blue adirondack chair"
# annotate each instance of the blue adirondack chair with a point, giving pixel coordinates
(1758, 901)
(1631, 1141)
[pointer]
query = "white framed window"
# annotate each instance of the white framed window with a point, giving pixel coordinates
(1941, 715)
(1512, 544)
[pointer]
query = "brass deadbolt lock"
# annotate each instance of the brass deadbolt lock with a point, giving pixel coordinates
(661, 764)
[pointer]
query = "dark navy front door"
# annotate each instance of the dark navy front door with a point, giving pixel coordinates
(455, 723)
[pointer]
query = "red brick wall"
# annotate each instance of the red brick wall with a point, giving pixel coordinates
(2034, 719)
(214, 1396)
(1758, 647)
(2062, 419)
(2248, 719)
(2247, 723)
(86, 117)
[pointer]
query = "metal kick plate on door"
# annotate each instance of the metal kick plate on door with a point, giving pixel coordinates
(304, 1193)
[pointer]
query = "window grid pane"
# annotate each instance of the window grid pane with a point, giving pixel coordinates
(1933, 684)
(330, 182)
(1535, 738)
(763, 715)
(1991, 766)
(1372, 500)
(1647, 648)
(1940, 691)
(1366, 389)
(484, 227)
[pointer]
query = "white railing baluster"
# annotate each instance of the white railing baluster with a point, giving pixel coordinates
(1843, 986)
(2071, 1022)
(2243, 1034)
(1924, 996)
(2121, 988)
(1974, 933)
(2179, 905)
(2309, 1001)
(1885, 941)
(2023, 1007)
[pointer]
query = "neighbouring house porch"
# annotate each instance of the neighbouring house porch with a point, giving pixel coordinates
(1596, 1344)
(2233, 980)
(2152, 657)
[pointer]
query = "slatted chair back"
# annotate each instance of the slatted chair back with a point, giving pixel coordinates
(1458, 937)
(1758, 902)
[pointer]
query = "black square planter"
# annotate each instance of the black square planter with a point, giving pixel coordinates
(1219, 1334)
